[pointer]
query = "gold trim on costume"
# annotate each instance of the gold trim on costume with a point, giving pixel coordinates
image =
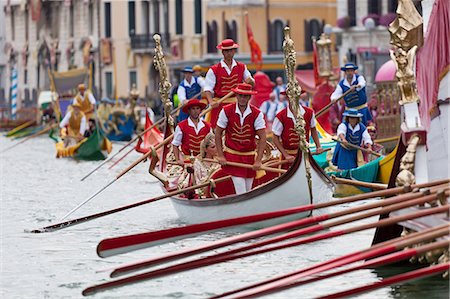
(234, 152)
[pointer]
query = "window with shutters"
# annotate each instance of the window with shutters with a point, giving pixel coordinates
(312, 28)
(107, 19)
(211, 36)
(231, 30)
(178, 16)
(198, 16)
(374, 7)
(276, 36)
(131, 18)
(351, 10)
(392, 5)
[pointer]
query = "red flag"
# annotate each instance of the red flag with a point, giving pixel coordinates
(317, 78)
(256, 55)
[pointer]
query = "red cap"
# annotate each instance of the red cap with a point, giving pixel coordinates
(244, 88)
(227, 44)
(193, 103)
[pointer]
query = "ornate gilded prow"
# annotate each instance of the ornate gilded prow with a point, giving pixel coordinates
(406, 36)
(164, 84)
(293, 91)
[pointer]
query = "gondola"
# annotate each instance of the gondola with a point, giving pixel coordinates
(95, 147)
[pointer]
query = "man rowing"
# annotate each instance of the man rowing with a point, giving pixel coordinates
(86, 100)
(357, 98)
(75, 120)
(190, 132)
(222, 77)
(241, 122)
(286, 138)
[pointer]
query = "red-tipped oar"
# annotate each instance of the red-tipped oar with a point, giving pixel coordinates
(62, 225)
(378, 249)
(379, 256)
(408, 276)
(125, 244)
(208, 261)
(308, 230)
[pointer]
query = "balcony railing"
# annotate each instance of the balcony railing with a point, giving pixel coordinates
(145, 41)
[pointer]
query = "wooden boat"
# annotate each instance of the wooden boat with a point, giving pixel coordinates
(287, 191)
(24, 116)
(95, 147)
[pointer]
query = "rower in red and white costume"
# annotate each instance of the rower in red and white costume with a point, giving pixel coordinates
(222, 77)
(241, 122)
(286, 138)
(190, 132)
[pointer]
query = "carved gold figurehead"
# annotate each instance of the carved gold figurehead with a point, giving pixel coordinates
(406, 36)
(164, 84)
(293, 91)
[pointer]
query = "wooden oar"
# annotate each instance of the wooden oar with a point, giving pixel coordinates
(396, 279)
(248, 166)
(375, 261)
(121, 158)
(324, 109)
(69, 223)
(325, 150)
(357, 147)
(201, 263)
(228, 95)
(398, 203)
(144, 157)
(380, 248)
(19, 128)
(150, 239)
(45, 130)
(372, 186)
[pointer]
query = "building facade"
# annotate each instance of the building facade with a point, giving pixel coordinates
(43, 36)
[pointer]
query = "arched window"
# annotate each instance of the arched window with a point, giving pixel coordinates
(312, 28)
(351, 10)
(231, 30)
(276, 36)
(212, 36)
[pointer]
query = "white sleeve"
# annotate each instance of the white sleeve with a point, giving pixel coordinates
(277, 127)
(201, 81)
(181, 92)
(366, 138)
(65, 120)
(210, 81)
(222, 121)
(313, 121)
(83, 125)
(337, 93)
(92, 99)
(260, 123)
(247, 73)
(341, 129)
(177, 136)
(361, 82)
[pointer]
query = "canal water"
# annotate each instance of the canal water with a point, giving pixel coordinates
(37, 189)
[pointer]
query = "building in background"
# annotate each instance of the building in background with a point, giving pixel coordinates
(3, 60)
(49, 35)
(267, 18)
(117, 38)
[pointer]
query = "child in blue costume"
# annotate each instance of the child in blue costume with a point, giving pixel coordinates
(351, 130)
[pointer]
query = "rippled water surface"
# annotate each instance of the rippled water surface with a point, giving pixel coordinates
(37, 189)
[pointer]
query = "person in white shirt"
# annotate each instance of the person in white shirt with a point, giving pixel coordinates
(86, 100)
(75, 120)
(351, 130)
(190, 132)
(269, 108)
(356, 98)
(190, 88)
(222, 77)
(286, 138)
(241, 122)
